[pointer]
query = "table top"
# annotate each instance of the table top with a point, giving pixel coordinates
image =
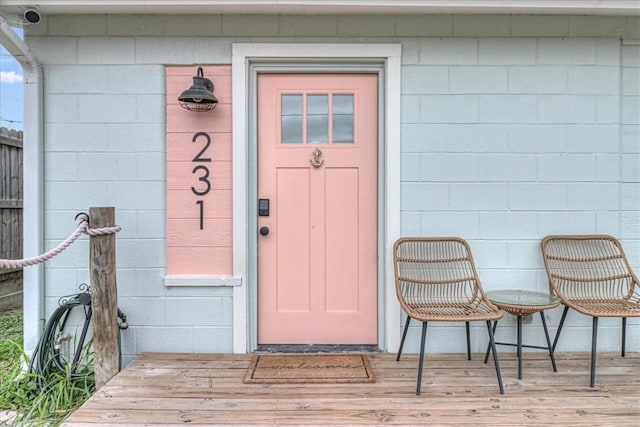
(522, 298)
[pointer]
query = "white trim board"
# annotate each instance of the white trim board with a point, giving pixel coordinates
(242, 55)
(198, 280)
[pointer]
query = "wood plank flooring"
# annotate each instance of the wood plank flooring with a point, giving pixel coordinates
(207, 389)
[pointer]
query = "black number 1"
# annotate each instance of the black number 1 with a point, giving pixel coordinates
(201, 203)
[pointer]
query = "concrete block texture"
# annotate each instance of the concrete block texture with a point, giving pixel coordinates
(630, 168)
(481, 26)
(106, 166)
(463, 224)
(479, 196)
(541, 79)
(539, 26)
(508, 109)
(569, 109)
(106, 50)
(509, 225)
(507, 51)
(425, 79)
(596, 80)
(162, 50)
(89, 79)
(449, 51)
(567, 167)
(537, 138)
(450, 167)
(537, 197)
(89, 25)
(563, 222)
(478, 80)
(593, 138)
(594, 196)
(424, 196)
(198, 311)
(424, 25)
(449, 109)
(630, 197)
(456, 138)
(577, 51)
(506, 167)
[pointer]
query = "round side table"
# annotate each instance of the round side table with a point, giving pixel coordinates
(522, 303)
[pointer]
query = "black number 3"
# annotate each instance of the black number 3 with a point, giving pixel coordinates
(204, 178)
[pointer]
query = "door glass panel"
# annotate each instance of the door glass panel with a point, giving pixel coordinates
(317, 119)
(291, 119)
(342, 119)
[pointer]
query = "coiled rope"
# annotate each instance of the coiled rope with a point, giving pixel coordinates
(82, 227)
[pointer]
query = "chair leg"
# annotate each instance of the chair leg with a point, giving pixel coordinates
(421, 361)
(404, 335)
(594, 339)
(495, 356)
(486, 355)
(624, 333)
(555, 340)
(468, 340)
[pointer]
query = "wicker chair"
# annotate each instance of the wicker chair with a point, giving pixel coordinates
(591, 274)
(436, 280)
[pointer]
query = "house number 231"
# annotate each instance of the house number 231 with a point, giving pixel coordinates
(201, 172)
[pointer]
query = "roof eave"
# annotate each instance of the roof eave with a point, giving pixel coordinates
(395, 7)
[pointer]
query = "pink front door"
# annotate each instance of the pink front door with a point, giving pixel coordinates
(317, 165)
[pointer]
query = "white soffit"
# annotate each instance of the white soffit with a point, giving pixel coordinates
(552, 7)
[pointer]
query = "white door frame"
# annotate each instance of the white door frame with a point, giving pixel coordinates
(242, 56)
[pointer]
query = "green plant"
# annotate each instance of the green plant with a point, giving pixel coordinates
(10, 335)
(11, 324)
(61, 393)
(15, 390)
(39, 398)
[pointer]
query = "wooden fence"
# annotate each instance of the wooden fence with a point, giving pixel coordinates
(10, 216)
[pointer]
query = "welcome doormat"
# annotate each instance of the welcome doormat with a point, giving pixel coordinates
(309, 369)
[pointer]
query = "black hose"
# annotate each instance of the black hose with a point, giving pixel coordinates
(46, 357)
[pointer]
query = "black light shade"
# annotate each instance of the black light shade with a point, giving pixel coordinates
(199, 97)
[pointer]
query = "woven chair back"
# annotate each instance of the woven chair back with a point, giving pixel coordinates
(435, 271)
(590, 267)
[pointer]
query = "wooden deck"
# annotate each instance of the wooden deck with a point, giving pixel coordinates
(178, 389)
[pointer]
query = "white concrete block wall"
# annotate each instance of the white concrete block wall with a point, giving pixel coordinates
(553, 165)
(513, 127)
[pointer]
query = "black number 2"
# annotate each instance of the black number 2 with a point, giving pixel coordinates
(198, 157)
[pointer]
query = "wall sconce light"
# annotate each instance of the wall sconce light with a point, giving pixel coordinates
(199, 97)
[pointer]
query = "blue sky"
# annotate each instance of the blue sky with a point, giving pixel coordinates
(10, 90)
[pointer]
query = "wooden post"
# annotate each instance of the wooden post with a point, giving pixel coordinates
(104, 296)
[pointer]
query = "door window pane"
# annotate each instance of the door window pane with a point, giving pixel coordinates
(317, 119)
(342, 118)
(291, 119)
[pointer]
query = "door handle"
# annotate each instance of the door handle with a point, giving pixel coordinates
(264, 230)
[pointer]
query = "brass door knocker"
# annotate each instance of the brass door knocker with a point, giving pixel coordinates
(316, 162)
